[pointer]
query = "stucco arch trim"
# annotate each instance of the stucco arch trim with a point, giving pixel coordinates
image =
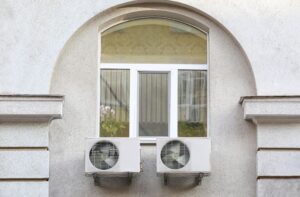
(172, 10)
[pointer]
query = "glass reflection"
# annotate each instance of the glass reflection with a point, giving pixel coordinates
(192, 103)
(114, 103)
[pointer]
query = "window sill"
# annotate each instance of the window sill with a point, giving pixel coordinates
(148, 140)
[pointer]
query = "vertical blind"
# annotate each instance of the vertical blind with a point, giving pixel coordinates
(114, 101)
(153, 104)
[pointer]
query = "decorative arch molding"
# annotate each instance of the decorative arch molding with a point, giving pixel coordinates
(174, 10)
(163, 10)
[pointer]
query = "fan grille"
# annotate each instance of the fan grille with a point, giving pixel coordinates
(104, 155)
(175, 154)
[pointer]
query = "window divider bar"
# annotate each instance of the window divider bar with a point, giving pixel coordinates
(154, 67)
(173, 104)
(133, 104)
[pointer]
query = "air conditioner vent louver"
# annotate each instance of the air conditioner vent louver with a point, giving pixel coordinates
(175, 154)
(104, 155)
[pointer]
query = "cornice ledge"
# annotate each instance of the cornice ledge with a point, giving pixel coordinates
(34, 108)
(271, 108)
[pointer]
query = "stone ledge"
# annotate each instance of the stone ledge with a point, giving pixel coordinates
(271, 108)
(30, 107)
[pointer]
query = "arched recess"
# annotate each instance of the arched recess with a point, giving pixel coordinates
(230, 77)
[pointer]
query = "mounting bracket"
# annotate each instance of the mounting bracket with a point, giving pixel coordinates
(98, 177)
(197, 178)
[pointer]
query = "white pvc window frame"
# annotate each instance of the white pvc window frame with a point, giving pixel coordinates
(172, 70)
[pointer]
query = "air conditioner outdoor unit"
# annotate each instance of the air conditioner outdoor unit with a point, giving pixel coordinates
(183, 156)
(112, 156)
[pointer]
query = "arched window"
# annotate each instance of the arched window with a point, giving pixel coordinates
(153, 80)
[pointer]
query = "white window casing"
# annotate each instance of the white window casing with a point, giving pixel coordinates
(172, 70)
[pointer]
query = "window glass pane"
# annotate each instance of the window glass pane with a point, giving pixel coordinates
(192, 103)
(153, 104)
(154, 41)
(114, 103)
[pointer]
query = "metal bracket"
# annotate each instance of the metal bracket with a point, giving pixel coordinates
(98, 177)
(197, 179)
(97, 180)
(165, 179)
(129, 178)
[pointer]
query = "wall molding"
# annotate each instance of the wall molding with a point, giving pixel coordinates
(24, 142)
(278, 142)
(33, 108)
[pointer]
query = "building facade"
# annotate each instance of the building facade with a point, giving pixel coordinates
(51, 86)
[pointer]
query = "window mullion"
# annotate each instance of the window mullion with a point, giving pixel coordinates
(173, 106)
(133, 105)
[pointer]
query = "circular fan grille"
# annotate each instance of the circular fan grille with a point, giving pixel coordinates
(175, 154)
(104, 155)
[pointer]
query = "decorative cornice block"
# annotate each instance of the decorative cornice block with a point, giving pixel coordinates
(271, 108)
(31, 107)
(278, 122)
(24, 155)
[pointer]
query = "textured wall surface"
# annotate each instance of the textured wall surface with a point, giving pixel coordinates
(50, 46)
(273, 187)
(33, 33)
(233, 139)
(28, 188)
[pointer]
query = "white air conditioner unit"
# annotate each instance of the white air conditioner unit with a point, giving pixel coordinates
(183, 156)
(112, 156)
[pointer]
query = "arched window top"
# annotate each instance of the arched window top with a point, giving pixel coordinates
(154, 40)
(153, 80)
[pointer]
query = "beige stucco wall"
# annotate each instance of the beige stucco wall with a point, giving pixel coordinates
(233, 139)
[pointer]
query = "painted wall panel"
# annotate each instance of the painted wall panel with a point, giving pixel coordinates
(24, 189)
(24, 164)
(278, 187)
(278, 135)
(278, 163)
(24, 134)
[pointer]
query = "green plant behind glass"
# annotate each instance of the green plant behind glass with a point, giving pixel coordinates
(109, 125)
(191, 129)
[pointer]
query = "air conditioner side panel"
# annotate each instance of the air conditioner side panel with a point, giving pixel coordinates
(129, 156)
(200, 151)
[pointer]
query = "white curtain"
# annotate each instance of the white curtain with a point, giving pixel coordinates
(192, 96)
